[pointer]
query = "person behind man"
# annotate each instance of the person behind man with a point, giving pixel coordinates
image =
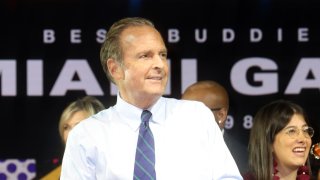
(216, 98)
(73, 114)
(280, 141)
(213, 95)
(77, 111)
(145, 135)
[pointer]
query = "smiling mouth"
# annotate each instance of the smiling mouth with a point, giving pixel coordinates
(299, 150)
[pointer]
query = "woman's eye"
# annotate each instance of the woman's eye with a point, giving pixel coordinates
(292, 131)
(308, 131)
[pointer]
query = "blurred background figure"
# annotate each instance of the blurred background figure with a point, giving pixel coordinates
(280, 142)
(315, 159)
(75, 112)
(213, 95)
(216, 98)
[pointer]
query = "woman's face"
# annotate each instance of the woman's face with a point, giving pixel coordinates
(292, 144)
(70, 123)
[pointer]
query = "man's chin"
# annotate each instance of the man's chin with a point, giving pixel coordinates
(156, 93)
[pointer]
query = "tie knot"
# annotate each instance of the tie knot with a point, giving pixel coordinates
(145, 116)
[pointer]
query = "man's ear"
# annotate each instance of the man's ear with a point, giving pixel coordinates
(221, 115)
(114, 69)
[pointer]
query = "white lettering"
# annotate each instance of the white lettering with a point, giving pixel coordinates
(101, 35)
(168, 87)
(268, 80)
(35, 77)
(8, 72)
(255, 35)
(303, 34)
(86, 82)
(48, 36)
(75, 36)
(188, 73)
(204, 35)
(113, 89)
(228, 35)
(300, 80)
(279, 32)
(173, 36)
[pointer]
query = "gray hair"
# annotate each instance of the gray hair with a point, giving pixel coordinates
(111, 48)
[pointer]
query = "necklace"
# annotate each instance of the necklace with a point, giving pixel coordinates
(303, 172)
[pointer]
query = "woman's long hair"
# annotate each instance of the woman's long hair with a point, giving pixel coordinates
(267, 123)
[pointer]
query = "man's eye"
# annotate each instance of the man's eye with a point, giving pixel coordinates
(66, 127)
(163, 55)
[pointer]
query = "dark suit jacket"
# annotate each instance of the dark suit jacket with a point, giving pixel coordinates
(238, 149)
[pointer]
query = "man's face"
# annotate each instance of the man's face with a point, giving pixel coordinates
(145, 68)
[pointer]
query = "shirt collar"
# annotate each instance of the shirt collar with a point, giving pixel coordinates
(132, 114)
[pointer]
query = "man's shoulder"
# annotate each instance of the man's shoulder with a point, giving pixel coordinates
(180, 101)
(173, 103)
(95, 124)
(98, 118)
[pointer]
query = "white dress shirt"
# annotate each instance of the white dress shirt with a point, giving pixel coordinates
(188, 143)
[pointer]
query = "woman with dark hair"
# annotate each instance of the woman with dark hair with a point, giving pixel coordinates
(279, 144)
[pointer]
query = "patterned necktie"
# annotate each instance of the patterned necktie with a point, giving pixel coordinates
(145, 160)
